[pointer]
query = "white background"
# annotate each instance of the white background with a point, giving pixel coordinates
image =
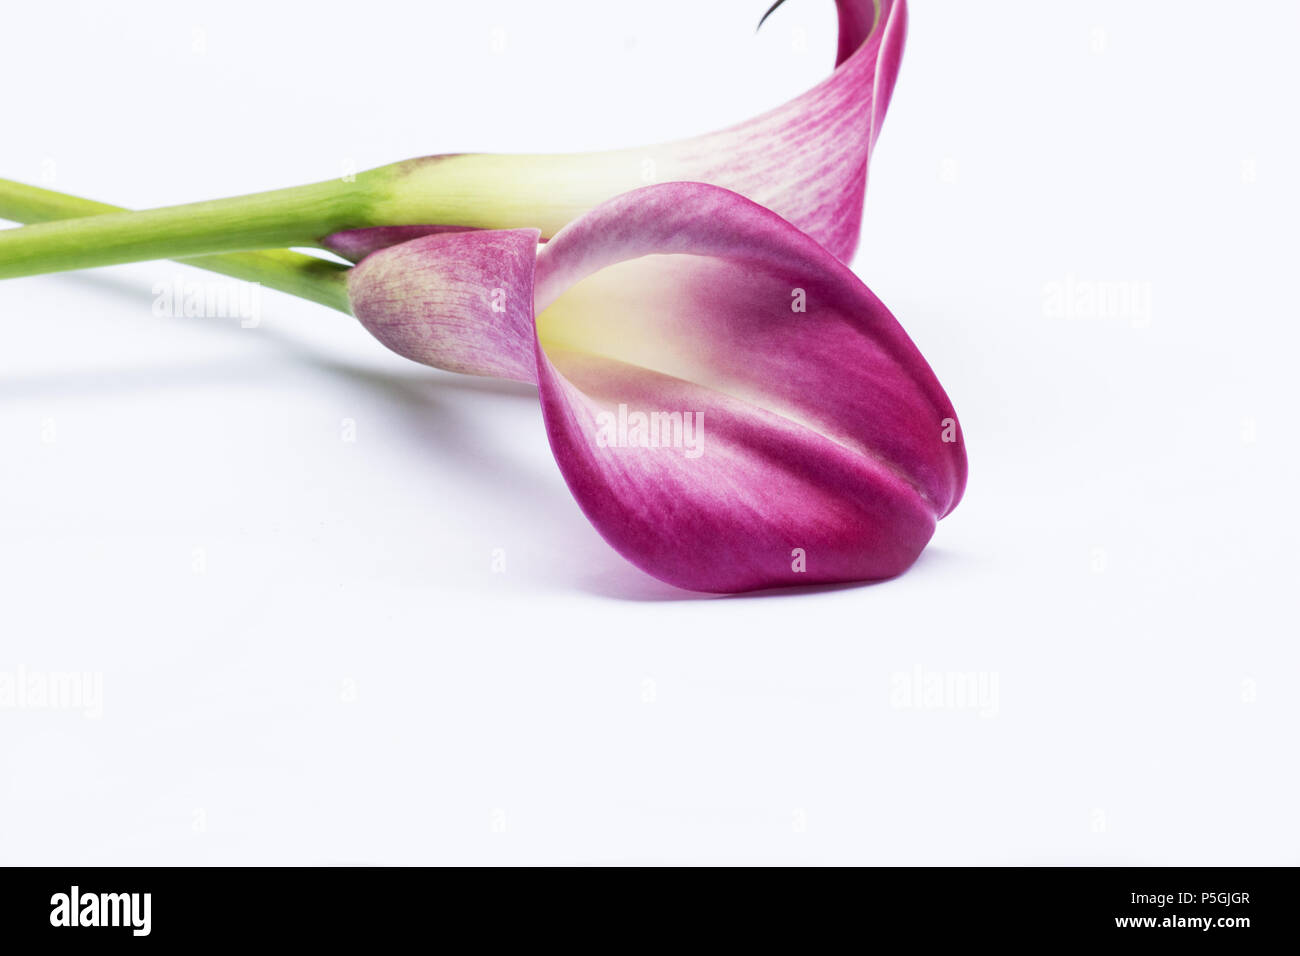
(305, 654)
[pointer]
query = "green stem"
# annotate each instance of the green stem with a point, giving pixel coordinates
(308, 277)
(299, 216)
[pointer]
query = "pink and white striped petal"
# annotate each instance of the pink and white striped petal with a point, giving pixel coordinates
(462, 301)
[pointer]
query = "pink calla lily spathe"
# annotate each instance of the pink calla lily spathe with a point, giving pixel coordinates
(805, 160)
(730, 406)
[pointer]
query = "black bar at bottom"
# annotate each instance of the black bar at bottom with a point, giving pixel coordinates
(338, 905)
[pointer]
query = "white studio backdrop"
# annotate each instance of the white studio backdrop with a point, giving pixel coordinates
(338, 608)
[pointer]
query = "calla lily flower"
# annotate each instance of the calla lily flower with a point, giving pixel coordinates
(805, 160)
(730, 406)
